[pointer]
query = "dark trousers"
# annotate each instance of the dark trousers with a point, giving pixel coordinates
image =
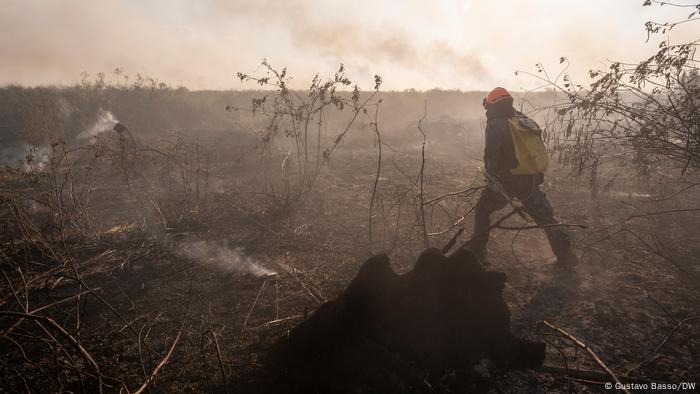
(527, 190)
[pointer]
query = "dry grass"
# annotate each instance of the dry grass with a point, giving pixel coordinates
(96, 294)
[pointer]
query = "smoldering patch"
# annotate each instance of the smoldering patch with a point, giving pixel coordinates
(231, 260)
(105, 121)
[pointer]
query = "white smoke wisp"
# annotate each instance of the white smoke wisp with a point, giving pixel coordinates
(25, 156)
(37, 157)
(105, 122)
(223, 257)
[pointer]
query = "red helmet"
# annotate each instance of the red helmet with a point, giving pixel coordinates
(496, 95)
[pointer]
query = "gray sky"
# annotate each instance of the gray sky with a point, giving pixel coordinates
(452, 44)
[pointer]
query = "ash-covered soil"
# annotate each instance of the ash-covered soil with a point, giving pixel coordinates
(635, 310)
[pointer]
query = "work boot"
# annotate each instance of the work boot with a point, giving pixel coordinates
(567, 260)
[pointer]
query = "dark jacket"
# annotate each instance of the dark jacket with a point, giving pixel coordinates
(499, 154)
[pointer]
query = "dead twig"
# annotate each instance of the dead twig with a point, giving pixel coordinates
(375, 126)
(586, 375)
(543, 226)
(641, 364)
(452, 241)
(464, 193)
(160, 365)
(65, 334)
(657, 303)
(218, 355)
(585, 347)
(583, 374)
(426, 241)
(54, 303)
(252, 307)
(492, 226)
(668, 336)
(320, 298)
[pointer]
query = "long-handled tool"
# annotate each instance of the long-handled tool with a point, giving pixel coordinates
(517, 205)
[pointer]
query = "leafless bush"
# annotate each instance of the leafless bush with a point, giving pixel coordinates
(55, 193)
(179, 189)
(635, 118)
(301, 120)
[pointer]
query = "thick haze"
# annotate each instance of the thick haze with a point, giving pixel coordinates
(452, 44)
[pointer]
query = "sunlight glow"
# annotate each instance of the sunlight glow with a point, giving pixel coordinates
(451, 44)
(467, 6)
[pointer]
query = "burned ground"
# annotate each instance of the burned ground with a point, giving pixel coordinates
(141, 296)
(385, 331)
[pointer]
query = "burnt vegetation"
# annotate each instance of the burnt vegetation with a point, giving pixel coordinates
(158, 239)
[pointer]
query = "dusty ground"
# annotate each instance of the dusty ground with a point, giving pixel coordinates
(635, 311)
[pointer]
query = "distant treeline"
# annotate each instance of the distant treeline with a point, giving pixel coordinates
(39, 115)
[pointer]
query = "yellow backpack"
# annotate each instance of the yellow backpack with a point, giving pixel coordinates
(528, 146)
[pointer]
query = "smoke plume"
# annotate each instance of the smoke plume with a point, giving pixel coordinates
(25, 156)
(223, 257)
(105, 122)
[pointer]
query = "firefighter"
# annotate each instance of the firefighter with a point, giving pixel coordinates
(514, 168)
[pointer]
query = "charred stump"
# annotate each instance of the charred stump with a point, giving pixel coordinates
(399, 333)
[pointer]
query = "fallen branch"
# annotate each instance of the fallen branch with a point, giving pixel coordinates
(585, 347)
(541, 226)
(55, 303)
(584, 374)
(641, 364)
(588, 376)
(160, 365)
(282, 320)
(465, 244)
(678, 326)
(470, 190)
(65, 334)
